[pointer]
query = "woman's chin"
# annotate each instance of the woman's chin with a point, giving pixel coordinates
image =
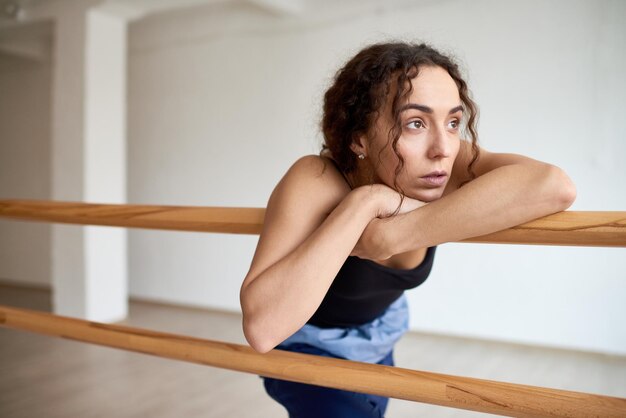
(427, 196)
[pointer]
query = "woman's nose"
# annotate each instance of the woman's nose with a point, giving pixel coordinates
(439, 144)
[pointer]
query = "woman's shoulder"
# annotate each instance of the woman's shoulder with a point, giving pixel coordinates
(318, 169)
(459, 174)
(310, 164)
(313, 179)
(315, 163)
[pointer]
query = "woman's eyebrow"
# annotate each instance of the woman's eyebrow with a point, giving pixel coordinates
(427, 109)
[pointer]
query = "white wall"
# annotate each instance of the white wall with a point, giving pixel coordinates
(79, 124)
(223, 99)
(24, 165)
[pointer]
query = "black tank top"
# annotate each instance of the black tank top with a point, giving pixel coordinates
(363, 289)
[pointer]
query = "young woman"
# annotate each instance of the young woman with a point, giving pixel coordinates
(346, 232)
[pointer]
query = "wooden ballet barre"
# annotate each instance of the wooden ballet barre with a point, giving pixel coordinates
(606, 229)
(178, 218)
(453, 391)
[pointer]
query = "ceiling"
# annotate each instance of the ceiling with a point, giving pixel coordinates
(25, 33)
(16, 10)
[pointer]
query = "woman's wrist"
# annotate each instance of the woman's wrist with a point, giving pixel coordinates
(372, 199)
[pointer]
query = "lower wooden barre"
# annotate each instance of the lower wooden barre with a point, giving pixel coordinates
(563, 228)
(452, 391)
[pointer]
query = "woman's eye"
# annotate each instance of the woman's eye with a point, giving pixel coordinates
(453, 124)
(415, 124)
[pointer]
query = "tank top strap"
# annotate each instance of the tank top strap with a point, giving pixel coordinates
(340, 171)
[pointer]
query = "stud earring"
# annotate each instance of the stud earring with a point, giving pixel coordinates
(361, 156)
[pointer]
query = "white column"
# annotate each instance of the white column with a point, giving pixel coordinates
(89, 266)
(105, 163)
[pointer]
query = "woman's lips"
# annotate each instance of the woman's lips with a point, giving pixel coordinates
(435, 178)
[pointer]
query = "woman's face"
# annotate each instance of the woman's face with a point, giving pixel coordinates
(429, 142)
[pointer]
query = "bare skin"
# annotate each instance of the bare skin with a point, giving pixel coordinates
(314, 220)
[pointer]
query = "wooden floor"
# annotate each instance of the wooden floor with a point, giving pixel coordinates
(49, 377)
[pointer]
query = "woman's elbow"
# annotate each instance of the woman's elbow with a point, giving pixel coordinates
(564, 190)
(256, 336)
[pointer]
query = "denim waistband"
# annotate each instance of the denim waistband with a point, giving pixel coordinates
(370, 342)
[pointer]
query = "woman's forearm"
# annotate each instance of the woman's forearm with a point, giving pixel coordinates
(284, 296)
(502, 198)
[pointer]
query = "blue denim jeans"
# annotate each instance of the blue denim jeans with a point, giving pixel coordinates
(369, 343)
(310, 401)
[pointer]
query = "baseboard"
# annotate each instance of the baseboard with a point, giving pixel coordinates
(20, 285)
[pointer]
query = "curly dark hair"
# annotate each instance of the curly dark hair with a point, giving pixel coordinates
(360, 89)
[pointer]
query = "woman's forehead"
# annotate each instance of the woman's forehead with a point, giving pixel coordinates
(434, 87)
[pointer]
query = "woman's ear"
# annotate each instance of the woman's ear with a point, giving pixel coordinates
(359, 145)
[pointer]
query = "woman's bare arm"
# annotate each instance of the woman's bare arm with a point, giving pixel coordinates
(510, 189)
(311, 225)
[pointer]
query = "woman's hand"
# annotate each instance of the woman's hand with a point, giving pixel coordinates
(386, 200)
(373, 243)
